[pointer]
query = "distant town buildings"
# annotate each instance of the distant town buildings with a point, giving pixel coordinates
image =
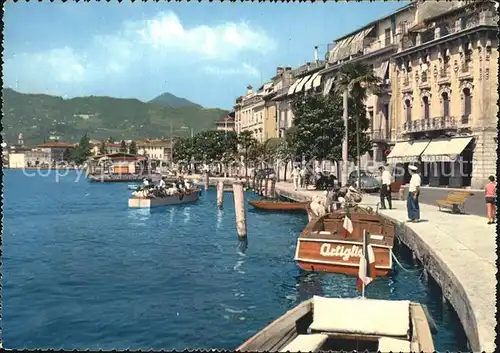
(226, 122)
(159, 149)
(437, 62)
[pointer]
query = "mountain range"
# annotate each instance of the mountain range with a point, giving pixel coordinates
(40, 117)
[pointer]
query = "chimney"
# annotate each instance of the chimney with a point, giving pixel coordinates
(288, 68)
(279, 70)
(308, 66)
(316, 54)
(249, 90)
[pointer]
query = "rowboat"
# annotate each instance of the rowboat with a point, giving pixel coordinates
(346, 324)
(269, 205)
(325, 246)
(113, 178)
(176, 199)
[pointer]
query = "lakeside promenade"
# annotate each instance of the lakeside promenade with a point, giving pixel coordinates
(458, 251)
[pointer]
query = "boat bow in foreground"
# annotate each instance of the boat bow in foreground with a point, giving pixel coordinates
(347, 324)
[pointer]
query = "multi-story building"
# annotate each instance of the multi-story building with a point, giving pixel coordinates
(254, 114)
(226, 122)
(55, 149)
(373, 44)
(156, 149)
(444, 93)
(306, 79)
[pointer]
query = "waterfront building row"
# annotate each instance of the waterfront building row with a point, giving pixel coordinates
(437, 62)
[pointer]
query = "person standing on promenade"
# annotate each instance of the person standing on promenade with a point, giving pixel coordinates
(385, 189)
(295, 177)
(303, 174)
(490, 191)
(413, 194)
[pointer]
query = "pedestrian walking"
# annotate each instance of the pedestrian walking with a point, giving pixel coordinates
(303, 175)
(490, 191)
(413, 194)
(296, 177)
(385, 189)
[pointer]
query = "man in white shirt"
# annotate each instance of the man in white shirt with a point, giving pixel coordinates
(385, 189)
(413, 194)
(295, 177)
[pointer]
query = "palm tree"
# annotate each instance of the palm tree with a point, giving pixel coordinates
(357, 80)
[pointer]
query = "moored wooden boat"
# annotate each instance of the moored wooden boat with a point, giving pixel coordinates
(270, 205)
(323, 247)
(346, 324)
(177, 199)
(114, 178)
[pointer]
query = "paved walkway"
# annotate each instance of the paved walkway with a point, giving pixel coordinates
(465, 244)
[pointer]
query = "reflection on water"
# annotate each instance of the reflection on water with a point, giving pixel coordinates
(220, 213)
(172, 215)
(138, 216)
(187, 214)
(308, 284)
(242, 245)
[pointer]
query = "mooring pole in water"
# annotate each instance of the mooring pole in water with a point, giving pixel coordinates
(239, 207)
(220, 194)
(266, 188)
(207, 181)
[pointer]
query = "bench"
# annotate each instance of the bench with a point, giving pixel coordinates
(455, 201)
(306, 343)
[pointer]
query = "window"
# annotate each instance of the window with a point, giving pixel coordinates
(387, 37)
(408, 110)
(467, 105)
(446, 104)
(425, 101)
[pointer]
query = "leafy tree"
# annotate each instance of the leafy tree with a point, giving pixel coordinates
(319, 128)
(246, 141)
(82, 152)
(284, 150)
(67, 155)
(102, 148)
(123, 147)
(111, 140)
(132, 148)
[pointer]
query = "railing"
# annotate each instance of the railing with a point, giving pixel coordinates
(431, 124)
(475, 20)
(443, 72)
(380, 135)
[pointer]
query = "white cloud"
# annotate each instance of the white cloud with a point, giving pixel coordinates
(162, 41)
(245, 70)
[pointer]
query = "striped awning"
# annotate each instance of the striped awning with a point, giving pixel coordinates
(309, 84)
(328, 86)
(301, 84)
(292, 87)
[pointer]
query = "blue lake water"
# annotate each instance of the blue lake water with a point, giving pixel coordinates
(82, 270)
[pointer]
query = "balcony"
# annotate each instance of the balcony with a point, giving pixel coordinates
(465, 119)
(431, 124)
(380, 135)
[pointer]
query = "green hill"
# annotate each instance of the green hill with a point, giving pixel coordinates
(168, 100)
(39, 116)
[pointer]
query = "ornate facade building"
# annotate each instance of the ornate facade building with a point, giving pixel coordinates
(445, 91)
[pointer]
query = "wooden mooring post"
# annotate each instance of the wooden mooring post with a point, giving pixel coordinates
(239, 207)
(220, 194)
(266, 188)
(207, 181)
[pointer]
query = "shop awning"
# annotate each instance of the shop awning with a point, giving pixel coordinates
(349, 46)
(415, 150)
(398, 152)
(309, 83)
(292, 87)
(445, 150)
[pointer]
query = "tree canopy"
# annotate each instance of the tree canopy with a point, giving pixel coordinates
(132, 148)
(319, 128)
(123, 147)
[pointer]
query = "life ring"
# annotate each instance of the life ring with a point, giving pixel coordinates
(387, 152)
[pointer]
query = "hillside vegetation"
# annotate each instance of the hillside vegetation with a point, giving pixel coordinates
(39, 116)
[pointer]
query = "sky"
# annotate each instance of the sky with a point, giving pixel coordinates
(205, 52)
